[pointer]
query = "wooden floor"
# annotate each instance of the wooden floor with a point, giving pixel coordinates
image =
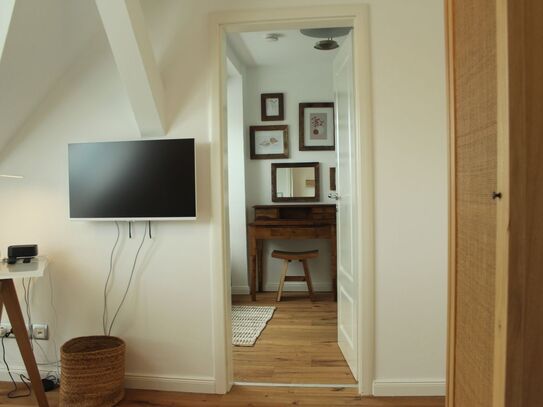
(299, 345)
(247, 396)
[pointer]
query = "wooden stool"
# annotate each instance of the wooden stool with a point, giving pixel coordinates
(288, 257)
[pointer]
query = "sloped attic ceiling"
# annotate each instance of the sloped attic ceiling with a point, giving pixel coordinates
(43, 40)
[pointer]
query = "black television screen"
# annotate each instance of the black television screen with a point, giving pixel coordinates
(132, 180)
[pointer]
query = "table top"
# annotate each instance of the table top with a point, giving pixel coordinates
(35, 268)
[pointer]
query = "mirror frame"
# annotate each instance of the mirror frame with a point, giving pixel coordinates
(314, 165)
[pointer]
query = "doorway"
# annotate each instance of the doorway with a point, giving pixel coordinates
(302, 130)
(360, 316)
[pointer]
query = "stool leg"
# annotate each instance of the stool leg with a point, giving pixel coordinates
(282, 281)
(308, 278)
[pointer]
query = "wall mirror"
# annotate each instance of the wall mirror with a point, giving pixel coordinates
(295, 182)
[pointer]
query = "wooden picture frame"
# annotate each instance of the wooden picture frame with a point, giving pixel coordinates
(332, 178)
(272, 107)
(268, 142)
(277, 197)
(317, 127)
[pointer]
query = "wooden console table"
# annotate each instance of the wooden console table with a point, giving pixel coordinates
(289, 222)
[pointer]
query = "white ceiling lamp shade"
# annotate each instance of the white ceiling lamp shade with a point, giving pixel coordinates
(328, 33)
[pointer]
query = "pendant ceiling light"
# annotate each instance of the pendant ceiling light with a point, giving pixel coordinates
(326, 45)
(328, 33)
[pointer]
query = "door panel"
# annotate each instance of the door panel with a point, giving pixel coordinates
(522, 381)
(475, 123)
(347, 280)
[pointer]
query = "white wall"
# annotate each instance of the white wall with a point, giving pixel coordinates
(411, 191)
(6, 11)
(167, 321)
(298, 83)
(44, 39)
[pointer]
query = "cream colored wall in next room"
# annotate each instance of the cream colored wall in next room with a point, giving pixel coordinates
(297, 83)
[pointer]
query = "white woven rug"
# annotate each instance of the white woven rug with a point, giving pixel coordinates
(248, 322)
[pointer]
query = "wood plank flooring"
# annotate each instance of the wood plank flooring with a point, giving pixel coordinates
(247, 397)
(299, 345)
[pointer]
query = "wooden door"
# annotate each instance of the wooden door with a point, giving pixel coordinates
(519, 354)
(496, 284)
(347, 278)
(473, 71)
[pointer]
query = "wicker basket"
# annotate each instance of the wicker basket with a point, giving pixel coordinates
(92, 372)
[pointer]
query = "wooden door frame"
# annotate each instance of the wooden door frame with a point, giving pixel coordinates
(451, 315)
(356, 16)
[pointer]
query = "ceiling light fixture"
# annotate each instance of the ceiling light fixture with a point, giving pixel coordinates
(326, 45)
(11, 176)
(328, 33)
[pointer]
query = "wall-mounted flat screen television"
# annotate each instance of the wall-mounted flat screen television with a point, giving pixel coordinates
(148, 179)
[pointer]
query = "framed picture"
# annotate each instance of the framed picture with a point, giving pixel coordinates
(268, 142)
(272, 107)
(316, 126)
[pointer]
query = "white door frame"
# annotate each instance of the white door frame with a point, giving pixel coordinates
(356, 16)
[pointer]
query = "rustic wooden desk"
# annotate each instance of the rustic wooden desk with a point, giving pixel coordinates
(289, 222)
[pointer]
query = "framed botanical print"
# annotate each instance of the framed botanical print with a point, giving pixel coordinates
(268, 142)
(316, 126)
(272, 107)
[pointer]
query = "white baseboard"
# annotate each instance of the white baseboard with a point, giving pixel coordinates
(17, 370)
(170, 383)
(240, 289)
(143, 382)
(298, 286)
(385, 388)
(289, 286)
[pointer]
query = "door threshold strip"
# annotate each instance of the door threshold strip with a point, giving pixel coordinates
(317, 385)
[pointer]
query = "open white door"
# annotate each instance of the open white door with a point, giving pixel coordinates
(347, 276)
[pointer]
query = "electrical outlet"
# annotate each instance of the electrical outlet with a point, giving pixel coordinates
(5, 327)
(40, 331)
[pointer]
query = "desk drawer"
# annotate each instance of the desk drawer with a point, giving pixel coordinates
(263, 213)
(324, 216)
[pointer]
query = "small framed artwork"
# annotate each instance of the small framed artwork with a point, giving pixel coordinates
(332, 178)
(268, 142)
(272, 107)
(316, 126)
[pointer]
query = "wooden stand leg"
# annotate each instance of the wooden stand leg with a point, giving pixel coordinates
(252, 277)
(260, 263)
(9, 297)
(282, 281)
(308, 278)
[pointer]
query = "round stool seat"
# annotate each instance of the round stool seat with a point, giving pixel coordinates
(279, 254)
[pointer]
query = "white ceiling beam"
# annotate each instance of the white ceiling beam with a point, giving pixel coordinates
(6, 12)
(127, 34)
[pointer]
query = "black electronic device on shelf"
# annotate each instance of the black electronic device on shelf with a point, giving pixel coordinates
(22, 251)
